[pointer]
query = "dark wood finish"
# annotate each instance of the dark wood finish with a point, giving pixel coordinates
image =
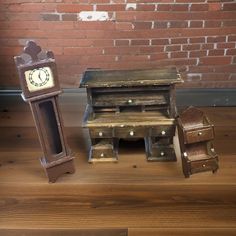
(136, 196)
(196, 133)
(130, 105)
(57, 159)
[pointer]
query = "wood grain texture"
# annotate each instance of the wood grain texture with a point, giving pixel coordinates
(133, 197)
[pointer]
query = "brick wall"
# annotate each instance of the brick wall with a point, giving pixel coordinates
(197, 36)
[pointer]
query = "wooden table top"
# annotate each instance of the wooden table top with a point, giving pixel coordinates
(133, 197)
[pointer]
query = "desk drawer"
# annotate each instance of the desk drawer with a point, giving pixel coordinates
(163, 152)
(203, 134)
(131, 98)
(101, 132)
(130, 132)
(163, 131)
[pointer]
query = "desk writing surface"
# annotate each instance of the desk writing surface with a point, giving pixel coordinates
(125, 78)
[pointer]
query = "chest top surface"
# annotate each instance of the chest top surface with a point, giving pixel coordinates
(128, 78)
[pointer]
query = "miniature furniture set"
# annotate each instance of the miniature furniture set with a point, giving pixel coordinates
(121, 105)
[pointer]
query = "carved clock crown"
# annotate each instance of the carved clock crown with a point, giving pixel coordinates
(32, 50)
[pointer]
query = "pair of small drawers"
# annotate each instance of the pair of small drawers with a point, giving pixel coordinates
(132, 132)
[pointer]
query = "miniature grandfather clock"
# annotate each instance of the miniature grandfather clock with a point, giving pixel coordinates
(40, 88)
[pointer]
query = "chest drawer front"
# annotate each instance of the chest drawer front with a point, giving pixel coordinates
(163, 131)
(199, 135)
(101, 132)
(131, 132)
(204, 165)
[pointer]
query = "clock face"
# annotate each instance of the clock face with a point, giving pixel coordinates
(39, 78)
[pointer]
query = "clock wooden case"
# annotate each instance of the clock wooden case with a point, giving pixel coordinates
(40, 88)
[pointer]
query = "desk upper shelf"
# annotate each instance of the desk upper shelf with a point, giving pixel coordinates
(126, 78)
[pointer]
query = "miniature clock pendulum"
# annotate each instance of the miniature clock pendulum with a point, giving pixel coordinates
(40, 88)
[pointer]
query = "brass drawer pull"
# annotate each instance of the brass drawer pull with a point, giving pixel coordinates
(130, 101)
(131, 133)
(199, 133)
(162, 154)
(100, 134)
(203, 165)
(102, 155)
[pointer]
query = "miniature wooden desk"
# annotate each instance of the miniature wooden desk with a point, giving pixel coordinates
(131, 104)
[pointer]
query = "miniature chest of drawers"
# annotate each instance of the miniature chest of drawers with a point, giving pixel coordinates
(196, 134)
(131, 104)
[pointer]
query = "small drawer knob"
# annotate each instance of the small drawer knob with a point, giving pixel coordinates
(199, 133)
(131, 133)
(162, 154)
(100, 134)
(185, 154)
(102, 155)
(203, 165)
(163, 132)
(130, 101)
(212, 149)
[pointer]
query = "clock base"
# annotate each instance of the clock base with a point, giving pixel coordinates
(57, 168)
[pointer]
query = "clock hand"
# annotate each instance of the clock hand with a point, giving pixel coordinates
(39, 75)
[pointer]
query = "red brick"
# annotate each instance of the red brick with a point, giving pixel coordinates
(216, 52)
(82, 51)
(151, 49)
(215, 76)
(208, 46)
(69, 42)
(158, 56)
(133, 58)
(95, 25)
(50, 17)
(171, 48)
(124, 26)
(196, 24)
(142, 25)
(229, 23)
(143, 7)
(103, 43)
(98, 1)
(216, 39)
(32, 7)
(197, 40)
(163, 7)
(229, 7)
(121, 42)
(160, 41)
(215, 60)
(69, 17)
(16, 25)
(111, 7)
(178, 54)
(139, 42)
(179, 40)
(178, 24)
(191, 47)
(199, 7)
(225, 45)
(73, 8)
(59, 25)
(232, 38)
(214, 6)
(121, 50)
(198, 54)
(231, 51)
(161, 24)
(212, 24)
(179, 7)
